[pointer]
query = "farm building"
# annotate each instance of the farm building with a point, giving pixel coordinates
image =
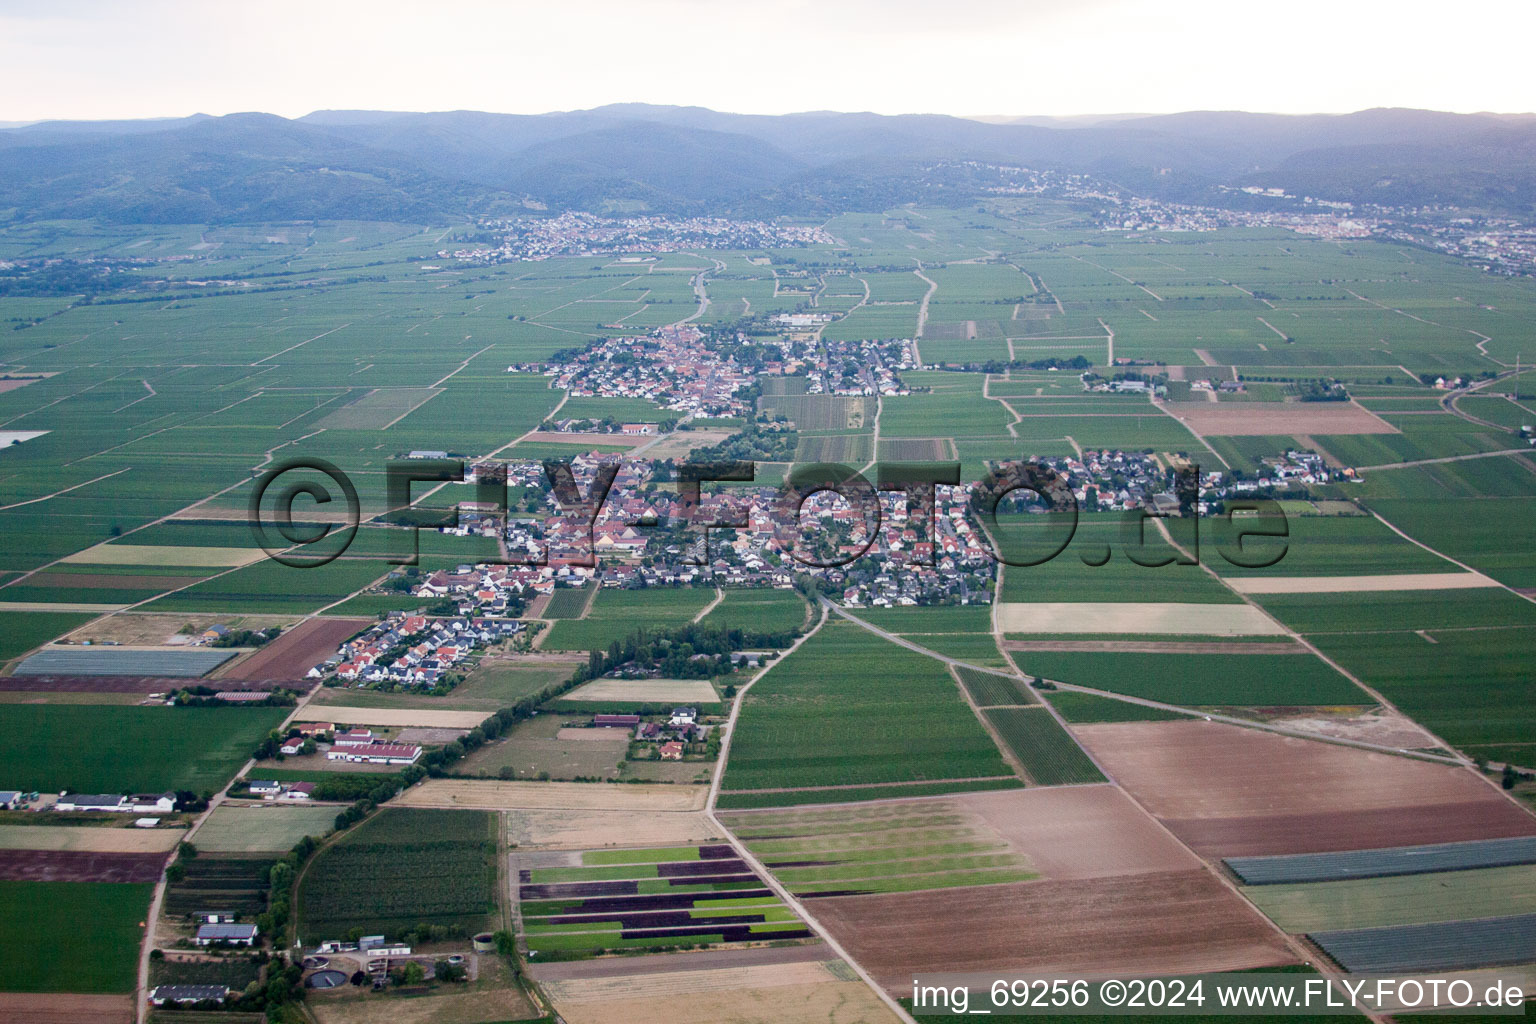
(299, 791)
(162, 994)
(353, 738)
(242, 696)
(141, 803)
(10, 799)
(266, 787)
(376, 753)
(226, 934)
(292, 747)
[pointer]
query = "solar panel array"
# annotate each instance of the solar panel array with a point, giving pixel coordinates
(1397, 860)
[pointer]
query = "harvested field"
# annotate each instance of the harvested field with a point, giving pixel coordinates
(797, 993)
(262, 828)
(1375, 726)
(1248, 419)
(176, 662)
(176, 554)
(1174, 922)
(1230, 791)
(1079, 832)
(573, 796)
(683, 691)
(1153, 647)
(80, 866)
(1134, 617)
(342, 713)
(296, 651)
(65, 1008)
(143, 629)
(500, 1004)
(428, 736)
(681, 443)
(556, 829)
(86, 839)
(594, 735)
(1359, 584)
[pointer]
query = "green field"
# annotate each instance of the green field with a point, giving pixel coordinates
(615, 614)
(878, 848)
(1407, 899)
(987, 689)
(1088, 707)
(400, 869)
(1200, 679)
(26, 630)
(758, 611)
(107, 749)
(268, 829)
(1049, 753)
(489, 687)
(37, 919)
(848, 708)
(567, 603)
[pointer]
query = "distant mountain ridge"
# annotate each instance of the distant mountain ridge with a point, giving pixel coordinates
(415, 166)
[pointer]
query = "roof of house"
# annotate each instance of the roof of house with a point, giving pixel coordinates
(93, 800)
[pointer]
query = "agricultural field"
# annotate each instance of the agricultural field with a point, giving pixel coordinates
(37, 919)
(1228, 791)
(1211, 678)
(95, 749)
(615, 614)
(809, 987)
(761, 611)
(903, 847)
(163, 409)
(635, 899)
(26, 630)
(989, 689)
(233, 828)
(1046, 750)
(568, 603)
(550, 747)
(399, 869)
(224, 882)
(900, 719)
(493, 684)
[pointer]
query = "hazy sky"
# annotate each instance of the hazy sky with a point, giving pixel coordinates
(84, 59)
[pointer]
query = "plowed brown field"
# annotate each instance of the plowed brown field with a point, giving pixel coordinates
(296, 651)
(1169, 923)
(1230, 791)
